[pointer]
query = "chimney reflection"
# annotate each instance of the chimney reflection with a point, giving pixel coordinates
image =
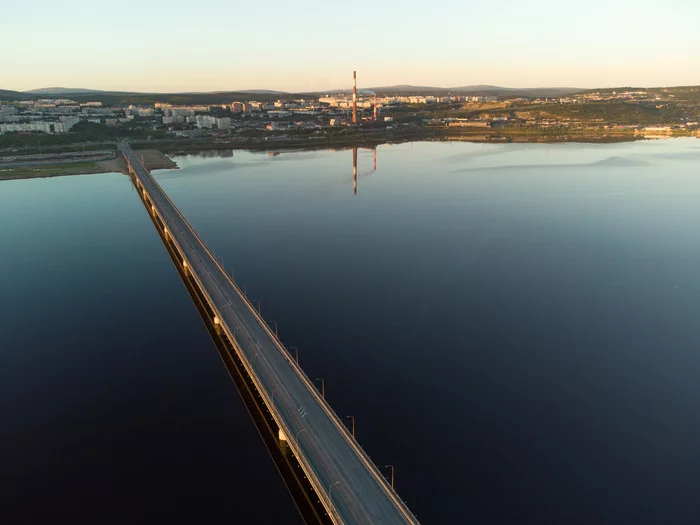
(354, 167)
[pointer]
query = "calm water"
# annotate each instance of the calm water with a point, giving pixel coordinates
(514, 327)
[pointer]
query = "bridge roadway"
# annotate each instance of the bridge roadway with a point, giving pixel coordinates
(349, 485)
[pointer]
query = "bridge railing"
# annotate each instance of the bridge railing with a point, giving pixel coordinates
(295, 443)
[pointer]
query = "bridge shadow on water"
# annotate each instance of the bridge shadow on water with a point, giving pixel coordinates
(299, 487)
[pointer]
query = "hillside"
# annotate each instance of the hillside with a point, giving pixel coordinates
(12, 95)
(480, 90)
(118, 97)
(61, 91)
(689, 95)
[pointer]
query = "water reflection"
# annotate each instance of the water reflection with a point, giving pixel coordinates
(540, 320)
(354, 167)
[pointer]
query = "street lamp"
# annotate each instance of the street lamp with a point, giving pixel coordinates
(323, 386)
(258, 306)
(392, 474)
(296, 351)
(330, 489)
(296, 437)
(276, 334)
(353, 424)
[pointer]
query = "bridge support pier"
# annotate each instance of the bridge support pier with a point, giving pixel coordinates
(284, 445)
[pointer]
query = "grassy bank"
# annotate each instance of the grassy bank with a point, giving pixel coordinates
(50, 170)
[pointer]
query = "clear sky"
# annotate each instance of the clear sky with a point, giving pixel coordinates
(214, 45)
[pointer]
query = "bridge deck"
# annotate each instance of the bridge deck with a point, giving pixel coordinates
(348, 483)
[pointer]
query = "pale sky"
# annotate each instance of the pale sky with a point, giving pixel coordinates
(221, 45)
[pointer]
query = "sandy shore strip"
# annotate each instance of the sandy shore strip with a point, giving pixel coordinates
(152, 159)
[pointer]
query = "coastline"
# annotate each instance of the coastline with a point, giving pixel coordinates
(155, 154)
(153, 160)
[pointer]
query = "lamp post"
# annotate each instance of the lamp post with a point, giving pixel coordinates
(392, 474)
(330, 489)
(353, 424)
(276, 334)
(258, 306)
(296, 352)
(296, 436)
(323, 386)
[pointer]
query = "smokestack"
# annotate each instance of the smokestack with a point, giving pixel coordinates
(354, 97)
(375, 107)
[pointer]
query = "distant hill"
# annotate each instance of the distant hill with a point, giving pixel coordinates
(128, 97)
(83, 91)
(12, 95)
(61, 91)
(124, 97)
(479, 87)
(406, 87)
(264, 91)
(483, 90)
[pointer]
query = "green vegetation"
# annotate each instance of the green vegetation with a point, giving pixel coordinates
(668, 111)
(83, 132)
(684, 94)
(616, 113)
(114, 98)
(11, 95)
(49, 170)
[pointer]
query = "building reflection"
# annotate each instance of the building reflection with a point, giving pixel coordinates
(212, 153)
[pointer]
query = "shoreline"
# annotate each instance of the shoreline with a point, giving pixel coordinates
(152, 159)
(155, 154)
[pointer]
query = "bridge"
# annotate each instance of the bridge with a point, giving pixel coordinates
(348, 485)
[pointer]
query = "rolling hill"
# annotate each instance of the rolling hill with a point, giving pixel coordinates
(61, 91)
(12, 95)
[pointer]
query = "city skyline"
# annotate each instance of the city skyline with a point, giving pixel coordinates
(157, 47)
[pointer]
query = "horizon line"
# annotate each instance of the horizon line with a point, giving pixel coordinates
(475, 87)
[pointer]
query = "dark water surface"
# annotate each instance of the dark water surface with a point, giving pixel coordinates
(514, 327)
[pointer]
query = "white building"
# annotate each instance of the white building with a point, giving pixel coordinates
(175, 119)
(205, 121)
(43, 127)
(223, 123)
(68, 123)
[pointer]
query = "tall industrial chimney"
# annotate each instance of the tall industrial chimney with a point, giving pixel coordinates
(375, 107)
(354, 97)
